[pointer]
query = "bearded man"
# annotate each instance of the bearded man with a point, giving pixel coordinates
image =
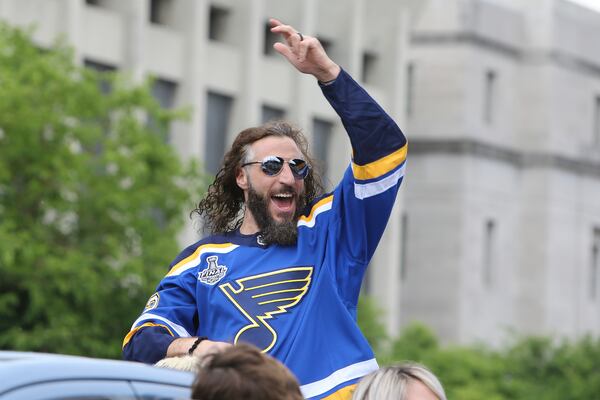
(283, 267)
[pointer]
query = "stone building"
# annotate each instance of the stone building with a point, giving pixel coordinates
(503, 191)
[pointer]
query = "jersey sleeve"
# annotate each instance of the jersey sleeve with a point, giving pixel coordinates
(363, 201)
(148, 344)
(170, 313)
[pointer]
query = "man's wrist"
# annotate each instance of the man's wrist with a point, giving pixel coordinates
(195, 344)
(329, 74)
(180, 346)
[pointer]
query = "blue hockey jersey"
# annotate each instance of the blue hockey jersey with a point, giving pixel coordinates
(298, 303)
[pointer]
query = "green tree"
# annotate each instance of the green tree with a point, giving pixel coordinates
(538, 367)
(90, 201)
(416, 342)
(528, 368)
(369, 320)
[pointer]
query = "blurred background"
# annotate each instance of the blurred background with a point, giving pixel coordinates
(114, 115)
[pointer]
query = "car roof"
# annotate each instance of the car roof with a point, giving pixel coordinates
(23, 368)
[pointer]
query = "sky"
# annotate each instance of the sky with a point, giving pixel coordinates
(593, 4)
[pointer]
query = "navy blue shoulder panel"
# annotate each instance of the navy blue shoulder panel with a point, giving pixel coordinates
(309, 207)
(234, 237)
(213, 239)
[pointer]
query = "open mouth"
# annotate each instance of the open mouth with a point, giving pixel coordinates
(284, 202)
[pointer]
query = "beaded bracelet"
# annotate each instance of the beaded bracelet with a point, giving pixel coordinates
(196, 343)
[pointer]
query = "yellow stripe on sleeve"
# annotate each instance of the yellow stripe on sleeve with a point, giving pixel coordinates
(321, 202)
(196, 253)
(344, 393)
(134, 330)
(380, 167)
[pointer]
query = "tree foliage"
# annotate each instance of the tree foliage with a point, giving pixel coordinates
(90, 201)
(528, 368)
(369, 320)
(525, 368)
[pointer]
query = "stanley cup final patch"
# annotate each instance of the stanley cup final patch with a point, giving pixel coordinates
(213, 273)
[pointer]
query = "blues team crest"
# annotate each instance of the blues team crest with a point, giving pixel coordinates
(260, 297)
(213, 273)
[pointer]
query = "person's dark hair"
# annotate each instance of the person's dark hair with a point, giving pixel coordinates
(244, 372)
(224, 199)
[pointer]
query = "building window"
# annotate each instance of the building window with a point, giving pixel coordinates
(403, 246)
(327, 45)
(105, 85)
(595, 265)
(322, 132)
(410, 87)
(164, 92)
(489, 253)
(218, 112)
(98, 66)
(270, 39)
(596, 133)
(161, 12)
(270, 113)
(217, 23)
(369, 63)
(490, 97)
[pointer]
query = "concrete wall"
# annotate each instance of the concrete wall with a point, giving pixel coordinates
(531, 169)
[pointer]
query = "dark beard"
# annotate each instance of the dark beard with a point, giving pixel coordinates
(272, 232)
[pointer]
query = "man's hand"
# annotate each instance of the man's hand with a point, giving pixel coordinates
(304, 52)
(181, 346)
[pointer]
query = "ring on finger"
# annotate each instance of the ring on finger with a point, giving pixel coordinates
(301, 37)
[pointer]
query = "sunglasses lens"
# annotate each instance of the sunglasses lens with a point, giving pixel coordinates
(299, 168)
(272, 166)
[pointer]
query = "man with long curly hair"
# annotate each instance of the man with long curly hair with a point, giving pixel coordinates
(283, 266)
(272, 204)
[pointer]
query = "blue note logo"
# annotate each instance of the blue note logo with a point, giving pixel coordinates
(213, 273)
(261, 297)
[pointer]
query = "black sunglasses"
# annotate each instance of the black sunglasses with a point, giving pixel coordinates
(272, 165)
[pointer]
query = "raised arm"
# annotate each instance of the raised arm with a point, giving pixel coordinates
(363, 201)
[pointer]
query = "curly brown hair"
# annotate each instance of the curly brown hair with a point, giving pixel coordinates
(221, 207)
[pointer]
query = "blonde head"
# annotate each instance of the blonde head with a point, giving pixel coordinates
(393, 383)
(183, 363)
